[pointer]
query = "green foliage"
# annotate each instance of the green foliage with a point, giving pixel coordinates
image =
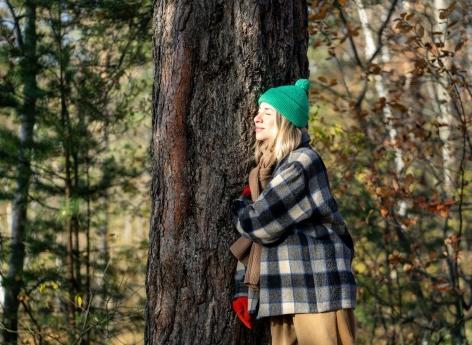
(80, 280)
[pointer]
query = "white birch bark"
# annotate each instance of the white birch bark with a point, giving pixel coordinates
(370, 48)
(444, 110)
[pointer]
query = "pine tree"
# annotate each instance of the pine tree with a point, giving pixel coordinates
(211, 61)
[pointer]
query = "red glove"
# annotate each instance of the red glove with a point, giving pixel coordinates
(246, 191)
(240, 308)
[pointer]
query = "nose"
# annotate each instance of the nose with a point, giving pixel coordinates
(257, 118)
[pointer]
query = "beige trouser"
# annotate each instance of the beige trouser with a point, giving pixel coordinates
(328, 328)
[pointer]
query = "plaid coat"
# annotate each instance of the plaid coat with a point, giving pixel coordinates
(307, 249)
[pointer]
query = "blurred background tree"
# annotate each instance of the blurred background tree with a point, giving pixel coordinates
(76, 88)
(392, 112)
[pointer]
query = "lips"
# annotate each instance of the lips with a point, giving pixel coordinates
(259, 129)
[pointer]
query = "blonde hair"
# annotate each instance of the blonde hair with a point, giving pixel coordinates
(287, 138)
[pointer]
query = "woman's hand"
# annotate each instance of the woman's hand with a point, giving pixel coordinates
(241, 309)
(246, 191)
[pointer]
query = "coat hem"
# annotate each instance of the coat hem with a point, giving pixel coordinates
(310, 310)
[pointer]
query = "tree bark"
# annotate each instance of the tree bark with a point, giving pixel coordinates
(443, 105)
(370, 48)
(103, 258)
(70, 224)
(14, 279)
(458, 332)
(212, 59)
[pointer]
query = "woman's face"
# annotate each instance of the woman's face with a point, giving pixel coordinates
(265, 122)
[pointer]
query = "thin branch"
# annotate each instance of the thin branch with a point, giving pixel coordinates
(16, 19)
(351, 40)
(382, 29)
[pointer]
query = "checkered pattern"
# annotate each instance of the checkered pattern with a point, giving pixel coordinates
(307, 250)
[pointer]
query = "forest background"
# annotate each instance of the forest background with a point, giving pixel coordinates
(390, 114)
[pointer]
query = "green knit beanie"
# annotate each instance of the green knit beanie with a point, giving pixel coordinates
(291, 101)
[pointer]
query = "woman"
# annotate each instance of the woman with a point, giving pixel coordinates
(295, 251)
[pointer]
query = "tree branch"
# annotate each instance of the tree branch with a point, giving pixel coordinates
(16, 19)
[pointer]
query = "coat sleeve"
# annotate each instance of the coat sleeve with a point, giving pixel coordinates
(240, 290)
(284, 202)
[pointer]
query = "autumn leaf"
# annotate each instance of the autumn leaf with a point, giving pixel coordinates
(443, 287)
(360, 267)
(421, 202)
(452, 6)
(399, 106)
(320, 13)
(78, 300)
(395, 185)
(449, 202)
(23, 297)
(441, 208)
(443, 212)
(394, 258)
(408, 221)
(459, 45)
(382, 192)
(420, 30)
(443, 14)
(380, 104)
(452, 240)
(409, 16)
(408, 182)
(375, 69)
(407, 267)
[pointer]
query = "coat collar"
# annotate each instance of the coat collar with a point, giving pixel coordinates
(305, 140)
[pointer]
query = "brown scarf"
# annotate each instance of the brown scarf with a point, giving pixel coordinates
(259, 177)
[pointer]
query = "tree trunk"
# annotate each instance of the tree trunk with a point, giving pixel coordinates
(103, 258)
(16, 258)
(443, 104)
(212, 59)
(446, 118)
(370, 48)
(69, 189)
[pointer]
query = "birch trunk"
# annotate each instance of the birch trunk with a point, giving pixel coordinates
(444, 111)
(370, 48)
(448, 123)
